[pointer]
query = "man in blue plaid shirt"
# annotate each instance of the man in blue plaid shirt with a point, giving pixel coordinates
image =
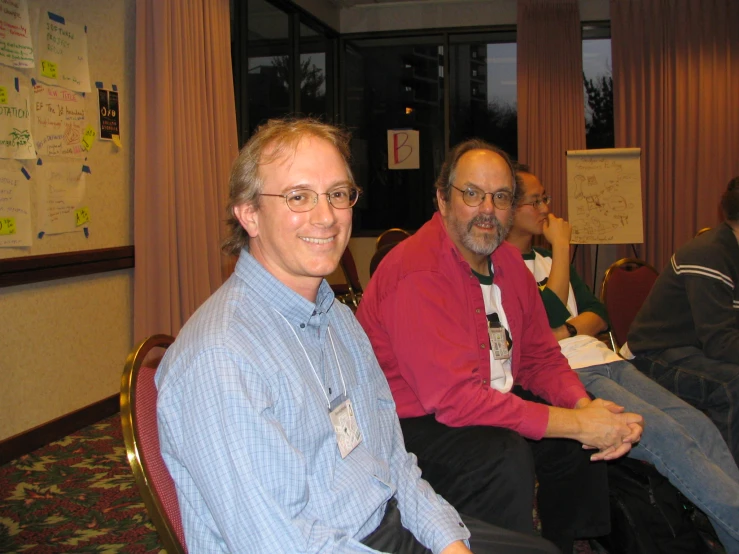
(275, 420)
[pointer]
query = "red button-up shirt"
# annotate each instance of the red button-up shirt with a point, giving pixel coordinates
(425, 316)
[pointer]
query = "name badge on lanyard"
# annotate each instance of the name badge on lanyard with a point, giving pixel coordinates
(498, 340)
(345, 425)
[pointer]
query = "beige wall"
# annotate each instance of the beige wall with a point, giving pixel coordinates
(64, 342)
(66, 348)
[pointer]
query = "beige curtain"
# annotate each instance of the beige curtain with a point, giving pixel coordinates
(551, 102)
(185, 143)
(676, 96)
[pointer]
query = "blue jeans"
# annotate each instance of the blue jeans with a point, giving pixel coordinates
(710, 385)
(679, 441)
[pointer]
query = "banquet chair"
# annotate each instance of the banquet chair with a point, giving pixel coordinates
(391, 236)
(350, 293)
(140, 434)
(378, 256)
(626, 286)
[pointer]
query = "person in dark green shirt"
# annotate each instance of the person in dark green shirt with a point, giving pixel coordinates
(681, 442)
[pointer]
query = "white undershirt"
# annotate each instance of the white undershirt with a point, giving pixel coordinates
(580, 350)
(501, 377)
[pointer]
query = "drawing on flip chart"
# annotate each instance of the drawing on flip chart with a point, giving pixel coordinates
(604, 196)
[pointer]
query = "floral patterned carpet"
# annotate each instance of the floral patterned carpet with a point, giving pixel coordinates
(75, 495)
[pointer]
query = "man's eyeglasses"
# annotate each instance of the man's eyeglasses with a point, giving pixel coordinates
(537, 202)
(304, 200)
(473, 197)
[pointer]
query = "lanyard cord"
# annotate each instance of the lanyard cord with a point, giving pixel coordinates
(328, 401)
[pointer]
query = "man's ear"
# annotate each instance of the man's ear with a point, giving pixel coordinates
(443, 207)
(248, 216)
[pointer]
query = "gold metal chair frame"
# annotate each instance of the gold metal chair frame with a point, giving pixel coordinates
(378, 242)
(604, 286)
(138, 464)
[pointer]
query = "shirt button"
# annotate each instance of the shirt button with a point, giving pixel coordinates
(460, 524)
(477, 311)
(482, 346)
(302, 325)
(484, 381)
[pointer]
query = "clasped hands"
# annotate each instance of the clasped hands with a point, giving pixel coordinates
(607, 427)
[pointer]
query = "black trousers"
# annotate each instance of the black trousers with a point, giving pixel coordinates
(392, 537)
(489, 474)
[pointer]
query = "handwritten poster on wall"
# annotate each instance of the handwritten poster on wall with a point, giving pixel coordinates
(15, 205)
(402, 149)
(59, 121)
(62, 49)
(16, 48)
(61, 196)
(15, 122)
(604, 196)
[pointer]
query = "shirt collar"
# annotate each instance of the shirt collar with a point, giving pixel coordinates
(279, 296)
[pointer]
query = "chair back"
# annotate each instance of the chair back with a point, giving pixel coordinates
(354, 286)
(379, 255)
(391, 236)
(141, 436)
(626, 286)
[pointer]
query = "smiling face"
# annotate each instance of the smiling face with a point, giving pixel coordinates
(477, 231)
(529, 220)
(299, 249)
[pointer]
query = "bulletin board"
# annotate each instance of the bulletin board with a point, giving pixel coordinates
(66, 176)
(604, 196)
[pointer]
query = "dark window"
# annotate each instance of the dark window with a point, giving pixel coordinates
(482, 89)
(316, 74)
(284, 63)
(269, 63)
(394, 83)
(598, 83)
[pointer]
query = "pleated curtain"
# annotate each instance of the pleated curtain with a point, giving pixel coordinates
(676, 96)
(551, 102)
(186, 141)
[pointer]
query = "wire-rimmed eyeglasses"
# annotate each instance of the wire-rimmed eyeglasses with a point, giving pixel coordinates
(474, 196)
(304, 200)
(537, 202)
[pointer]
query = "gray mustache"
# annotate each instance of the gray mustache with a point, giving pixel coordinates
(483, 220)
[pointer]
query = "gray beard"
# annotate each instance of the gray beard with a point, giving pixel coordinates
(484, 246)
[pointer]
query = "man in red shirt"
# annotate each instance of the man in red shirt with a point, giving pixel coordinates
(457, 324)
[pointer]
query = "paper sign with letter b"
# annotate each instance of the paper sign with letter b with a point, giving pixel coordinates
(402, 149)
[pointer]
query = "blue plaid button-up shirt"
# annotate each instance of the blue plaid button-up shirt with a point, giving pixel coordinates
(245, 430)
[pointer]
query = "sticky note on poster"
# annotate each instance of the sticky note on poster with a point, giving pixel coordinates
(88, 139)
(402, 149)
(81, 216)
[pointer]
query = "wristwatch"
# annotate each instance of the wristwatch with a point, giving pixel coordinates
(571, 328)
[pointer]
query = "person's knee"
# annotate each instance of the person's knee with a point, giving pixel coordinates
(503, 460)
